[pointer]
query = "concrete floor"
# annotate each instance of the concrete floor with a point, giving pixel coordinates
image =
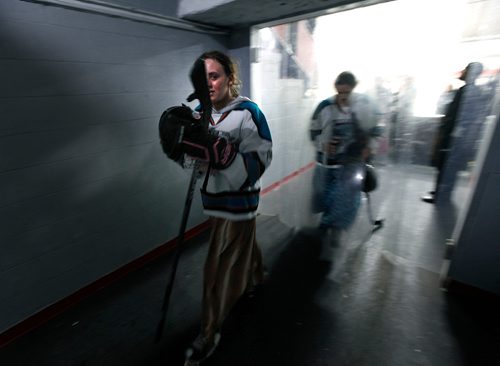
(379, 301)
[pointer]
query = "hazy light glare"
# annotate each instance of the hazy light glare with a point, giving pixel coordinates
(420, 38)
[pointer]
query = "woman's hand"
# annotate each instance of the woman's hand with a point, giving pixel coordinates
(330, 148)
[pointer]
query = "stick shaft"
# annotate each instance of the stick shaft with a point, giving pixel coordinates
(177, 254)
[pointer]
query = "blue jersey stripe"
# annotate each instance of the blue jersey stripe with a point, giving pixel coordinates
(258, 118)
(236, 202)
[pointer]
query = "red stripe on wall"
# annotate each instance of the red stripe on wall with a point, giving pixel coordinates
(51, 311)
(289, 177)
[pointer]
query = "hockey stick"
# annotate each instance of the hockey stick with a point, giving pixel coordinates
(199, 81)
(377, 224)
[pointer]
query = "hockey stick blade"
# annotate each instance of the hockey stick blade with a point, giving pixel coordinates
(198, 77)
(376, 224)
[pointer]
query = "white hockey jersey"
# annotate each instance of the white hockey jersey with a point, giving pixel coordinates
(233, 193)
(329, 121)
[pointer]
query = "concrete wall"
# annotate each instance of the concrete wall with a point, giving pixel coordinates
(85, 187)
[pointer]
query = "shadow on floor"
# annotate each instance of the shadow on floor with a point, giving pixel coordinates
(475, 323)
(380, 303)
(283, 315)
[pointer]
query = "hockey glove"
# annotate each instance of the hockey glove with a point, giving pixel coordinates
(182, 133)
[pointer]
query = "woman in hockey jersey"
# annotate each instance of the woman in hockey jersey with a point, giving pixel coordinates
(341, 127)
(230, 196)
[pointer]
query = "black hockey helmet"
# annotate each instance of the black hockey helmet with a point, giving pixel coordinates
(175, 123)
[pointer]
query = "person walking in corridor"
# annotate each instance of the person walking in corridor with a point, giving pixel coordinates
(230, 196)
(341, 128)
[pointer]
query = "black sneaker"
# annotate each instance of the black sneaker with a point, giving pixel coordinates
(201, 349)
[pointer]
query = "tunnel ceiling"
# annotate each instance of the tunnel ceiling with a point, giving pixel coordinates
(244, 13)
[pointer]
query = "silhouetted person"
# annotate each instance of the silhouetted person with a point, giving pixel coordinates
(457, 132)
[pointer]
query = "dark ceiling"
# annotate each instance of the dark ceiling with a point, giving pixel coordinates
(244, 13)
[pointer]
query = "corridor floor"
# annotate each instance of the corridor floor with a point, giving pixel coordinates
(378, 302)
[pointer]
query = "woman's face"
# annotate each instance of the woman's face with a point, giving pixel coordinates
(218, 84)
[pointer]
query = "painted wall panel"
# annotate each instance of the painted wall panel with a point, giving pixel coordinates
(34, 114)
(476, 255)
(85, 187)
